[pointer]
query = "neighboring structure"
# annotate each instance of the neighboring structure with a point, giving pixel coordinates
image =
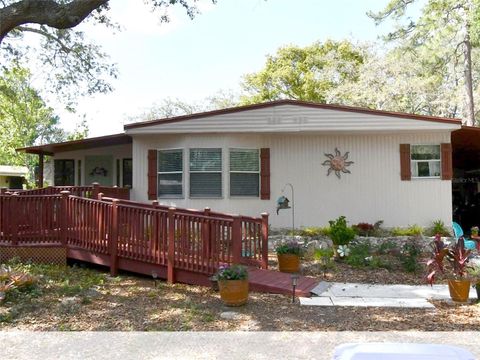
(367, 165)
(12, 177)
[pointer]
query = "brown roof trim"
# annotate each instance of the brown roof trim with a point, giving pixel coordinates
(99, 141)
(293, 102)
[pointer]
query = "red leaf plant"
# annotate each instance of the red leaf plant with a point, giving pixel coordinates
(457, 257)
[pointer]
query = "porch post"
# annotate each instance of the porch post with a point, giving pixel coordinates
(40, 170)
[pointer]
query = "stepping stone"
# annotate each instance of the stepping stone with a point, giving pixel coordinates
(366, 302)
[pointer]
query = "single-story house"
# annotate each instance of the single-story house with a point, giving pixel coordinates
(12, 177)
(365, 164)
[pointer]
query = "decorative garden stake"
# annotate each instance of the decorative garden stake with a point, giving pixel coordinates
(294, 285)
(337, 163)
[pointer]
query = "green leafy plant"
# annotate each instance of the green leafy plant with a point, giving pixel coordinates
(359, 255)
(340, 232)
(232, 272)
(412, 230)
(315, 231)
(324, 257)
(438, 227)
(289, 247)
(387, 247)
(409, 256)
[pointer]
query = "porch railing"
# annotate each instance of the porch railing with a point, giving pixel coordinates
(196, 241)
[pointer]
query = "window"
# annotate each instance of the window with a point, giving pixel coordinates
(244, 172)
(170, 173)
(127, 173)
(425, 160)
(64, 172)
(205, 173)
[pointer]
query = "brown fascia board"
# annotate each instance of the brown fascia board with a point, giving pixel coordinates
(293, 102)
(100, 141)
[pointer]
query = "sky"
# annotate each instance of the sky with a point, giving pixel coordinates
(193, 59)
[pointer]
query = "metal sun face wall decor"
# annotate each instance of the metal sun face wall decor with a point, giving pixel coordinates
(337, 163)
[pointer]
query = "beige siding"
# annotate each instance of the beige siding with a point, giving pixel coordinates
(372, 192)
(118, 152)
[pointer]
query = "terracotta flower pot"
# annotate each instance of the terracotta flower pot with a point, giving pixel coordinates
(289, 263)
(459, 289)
(233, 292)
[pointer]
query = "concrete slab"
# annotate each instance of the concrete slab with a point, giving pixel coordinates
(316, 301)
(366, 302)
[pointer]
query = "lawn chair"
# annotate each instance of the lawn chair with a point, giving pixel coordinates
(458, 232)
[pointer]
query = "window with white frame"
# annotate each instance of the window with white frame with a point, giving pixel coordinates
(170, 173)
(205, 173)
(244, 172)
(425, 161)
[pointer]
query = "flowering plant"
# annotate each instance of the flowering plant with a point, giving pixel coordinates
(474, 231)
(232, 272)
(290, 247)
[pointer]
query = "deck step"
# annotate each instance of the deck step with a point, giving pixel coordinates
(275, 282)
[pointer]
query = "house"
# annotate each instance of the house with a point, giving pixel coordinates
(12, 177)
(365, 164)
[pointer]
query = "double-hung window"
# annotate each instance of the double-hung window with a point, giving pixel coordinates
(425, 161)
(244, 172)
(170, 173)
(205, 173)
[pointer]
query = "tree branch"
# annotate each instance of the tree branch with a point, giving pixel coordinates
(46, 12)
(64, 47)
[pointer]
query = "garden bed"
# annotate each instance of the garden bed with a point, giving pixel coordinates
(73, 298)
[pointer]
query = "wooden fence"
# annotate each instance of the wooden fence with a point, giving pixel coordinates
(139, 237)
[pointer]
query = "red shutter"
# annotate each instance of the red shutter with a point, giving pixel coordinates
(152, 174)
(265, 174)
(447, 168)
(405, 169)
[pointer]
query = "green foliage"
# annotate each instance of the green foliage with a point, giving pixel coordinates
(323, 253)
(304, 73)
(438, 228)
(359, 255)
(289, 247)
(340, 233)
(412, 230)
(410, 254)
(387, 247)
(314, 231)
(232, 272)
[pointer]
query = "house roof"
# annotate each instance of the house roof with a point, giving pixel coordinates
(305, 104)
(8, 170)
(89, 143)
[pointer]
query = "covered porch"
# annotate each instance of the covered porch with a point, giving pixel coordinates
(106, 160)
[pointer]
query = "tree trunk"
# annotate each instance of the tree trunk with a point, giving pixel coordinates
(469, 80)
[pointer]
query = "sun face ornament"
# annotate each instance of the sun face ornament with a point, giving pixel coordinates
(337, 163)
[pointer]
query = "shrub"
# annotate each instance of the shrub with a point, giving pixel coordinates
(359, 255)
(411, 251)
(364, 229)
(412, 230)
(340, 233)
(324, 256)
(387, 247)
(438, 227)
(315, 231)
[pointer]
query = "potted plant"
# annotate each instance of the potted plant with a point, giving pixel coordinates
(233, 284)
(288, 254)
(457, 258)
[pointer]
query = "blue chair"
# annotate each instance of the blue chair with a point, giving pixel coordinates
(458, 232)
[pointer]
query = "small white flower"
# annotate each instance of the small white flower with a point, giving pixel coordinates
(343, 251)
(369, 258)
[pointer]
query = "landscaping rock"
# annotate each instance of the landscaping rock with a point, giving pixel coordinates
(230, 315)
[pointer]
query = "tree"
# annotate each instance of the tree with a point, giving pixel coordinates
(25, 118)
(451, 25)
(75, 67)
(304, 73)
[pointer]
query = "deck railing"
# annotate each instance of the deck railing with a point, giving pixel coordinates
(191, 240)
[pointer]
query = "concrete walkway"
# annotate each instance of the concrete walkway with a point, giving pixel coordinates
(363, 295)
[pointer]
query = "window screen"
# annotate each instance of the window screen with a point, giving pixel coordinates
(170, 173)
(205, 173)
(244, 172)
(425, 160)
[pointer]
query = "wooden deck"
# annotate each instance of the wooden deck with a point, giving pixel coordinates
(275, 282)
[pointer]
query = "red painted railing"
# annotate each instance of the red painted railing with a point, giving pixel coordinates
(123, 230)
